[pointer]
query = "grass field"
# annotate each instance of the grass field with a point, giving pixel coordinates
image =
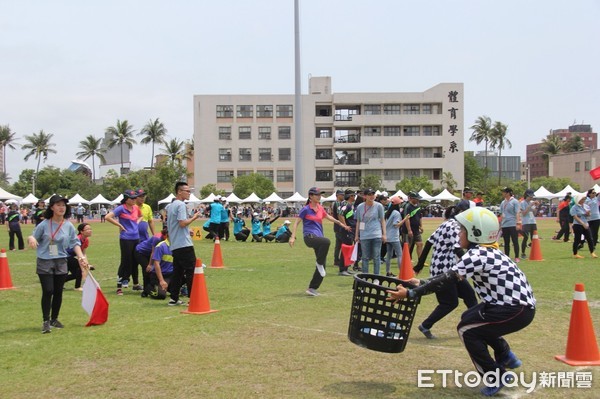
(268, 339)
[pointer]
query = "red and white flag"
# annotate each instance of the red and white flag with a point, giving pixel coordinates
(94, 302)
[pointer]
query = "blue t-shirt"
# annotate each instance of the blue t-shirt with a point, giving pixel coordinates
(528, 217)
(592, 203)
(215, 212)
(162, 253)
(282, 230)
(256, 226)
(63, 235)
(129, 220)
(238, 224)
(392, 233)
(371, 216)
(145, 247)
(179, 237)
(578, 210)
(224, 215)
(509, 209)
(312, 222)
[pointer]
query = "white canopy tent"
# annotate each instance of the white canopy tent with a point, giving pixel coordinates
(233, 198)
(445, 196)
(78, 199)
(117, 200)
(193, 199)
(295, 198)
(167, 200)
(564, 191)
(99, 199)
(400, 194)
(209, 198)
(425, 196)
(331, 198)
(251, 198)
(273, 198)
(4, 195)
(30, 199)
(542, 192)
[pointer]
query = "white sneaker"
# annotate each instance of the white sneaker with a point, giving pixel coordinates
(312, 292)
(321, 270)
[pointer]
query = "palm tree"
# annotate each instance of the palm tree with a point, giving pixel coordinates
(40, 146)
(175, 150)
(551, 145)
(121, 134)
(153, 132)
(448, 181)
(92, 147)
(574, 144)
(7, 139)
(499, 141)
(482, 132)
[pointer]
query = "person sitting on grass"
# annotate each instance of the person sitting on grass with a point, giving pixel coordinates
(507, 301)
(283, 234)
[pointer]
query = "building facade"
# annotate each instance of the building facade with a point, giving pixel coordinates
(508, 165)
(345, 136)
(576, 166)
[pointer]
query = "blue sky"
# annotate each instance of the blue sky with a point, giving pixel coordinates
(73, 68)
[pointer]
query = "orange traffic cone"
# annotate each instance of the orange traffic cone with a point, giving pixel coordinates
(582, 348)
(536, 251)
(5, 280)
(199, 303)
(406, 267)
(217, 258)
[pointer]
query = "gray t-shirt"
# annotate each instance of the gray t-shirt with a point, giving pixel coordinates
(178, 236)
(371, 216)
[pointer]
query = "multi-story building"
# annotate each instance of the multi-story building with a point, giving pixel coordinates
(538, 166)
(508, 165)
(345, 136)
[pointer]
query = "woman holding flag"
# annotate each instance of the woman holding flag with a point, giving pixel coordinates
(51, 238)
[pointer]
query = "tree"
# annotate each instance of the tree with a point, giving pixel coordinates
(415, 184)
(371, 181)
(448, 181)
(7, 139)
(574, 144)
(474, 174)
(39, 145)
(482, 132)
(92, 147)
(551, 145)
(499, 141)
(245, 185)
(121, 134)
(154, 132)
(175, 150)
(209, 189)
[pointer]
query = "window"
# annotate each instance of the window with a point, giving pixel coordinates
(577, 166)
(347, 178)
(224, 176)
(347, 136)
(432, 131)
(372, 153)
(391, 131)
(285, 175)
(224, 132)
(324, 153)
(391, 109)
(427, 109)
(411, 152)
(372, 109)
(412, 109)
(244, 111)
(344, 113)
(324, 133)
(224, 154)
(264, 133)
(264, 154)
(392, 153)
(586, 165)
(408, 173)
(266, 173)
(264, 111)
(285, 111)
(323, 110)
(392, 174)
(285, 132)
(245, 154)
(224, 111)
(244, 172)
(412, 130)
(245, 132)
(427, 152)
(285, 154)
(372, 131)
(324, 175)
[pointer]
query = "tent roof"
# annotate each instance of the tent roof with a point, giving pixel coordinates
(99, 199)
(542, 192)
(167, 199)
(6, 195)
(252, 198)
(30, 199)
(273, 198)
(400, 194)
(425, 196)
(446, 196)
(233, 198)
(76, 199)
(564, 191)
(194, 199)
(209, 198)
(295, 198)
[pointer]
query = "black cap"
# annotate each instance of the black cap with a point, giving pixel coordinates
(57, 198)
(528, 193)
(339, 192)
(468, 190)
(368, 191)
(140, 192)
(507, 190)
(412, 194)
(315, 190)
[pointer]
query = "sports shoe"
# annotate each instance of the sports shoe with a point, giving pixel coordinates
(594, 255)
(183, 291)
(577, 256)
(78, 289)
(321, 270)
(426, 332)
(46, 327)
(125, 283)
(511, 361)
(56, 324)
(312, 292)
(390, 275)
(173, 302)
(137, 287)
(344, 273)
(524, 255)
(491, 391)
(517, 260)
(119, 291)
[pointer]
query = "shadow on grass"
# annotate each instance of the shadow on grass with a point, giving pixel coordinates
(359, 389)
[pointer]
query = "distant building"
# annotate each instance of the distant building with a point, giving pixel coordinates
(113, 157)
(538, 167)
(81, 167)
(575, 166)
(345, 136)
(511, 165)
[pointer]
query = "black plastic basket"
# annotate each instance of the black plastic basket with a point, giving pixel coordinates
(378, 324)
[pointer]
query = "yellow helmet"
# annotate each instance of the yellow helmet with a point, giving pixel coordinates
(481, 224)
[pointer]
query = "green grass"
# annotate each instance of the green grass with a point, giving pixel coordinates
(267, 339)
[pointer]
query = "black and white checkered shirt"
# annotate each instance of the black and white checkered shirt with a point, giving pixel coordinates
(497, 279)
(445, 239)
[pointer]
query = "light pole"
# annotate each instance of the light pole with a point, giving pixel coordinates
(528, 176)
(33, 184)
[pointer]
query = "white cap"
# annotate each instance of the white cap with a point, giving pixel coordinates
(238, 212)
(255, 214)
(218, 197)
(287, 222)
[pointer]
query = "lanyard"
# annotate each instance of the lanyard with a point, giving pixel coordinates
(52, 235)
(367, 209)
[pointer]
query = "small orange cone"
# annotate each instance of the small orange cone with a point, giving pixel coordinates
(406, 267)
(582, 348)
(536, 251)
(217, 257)
(199, 302)
(5, 280)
